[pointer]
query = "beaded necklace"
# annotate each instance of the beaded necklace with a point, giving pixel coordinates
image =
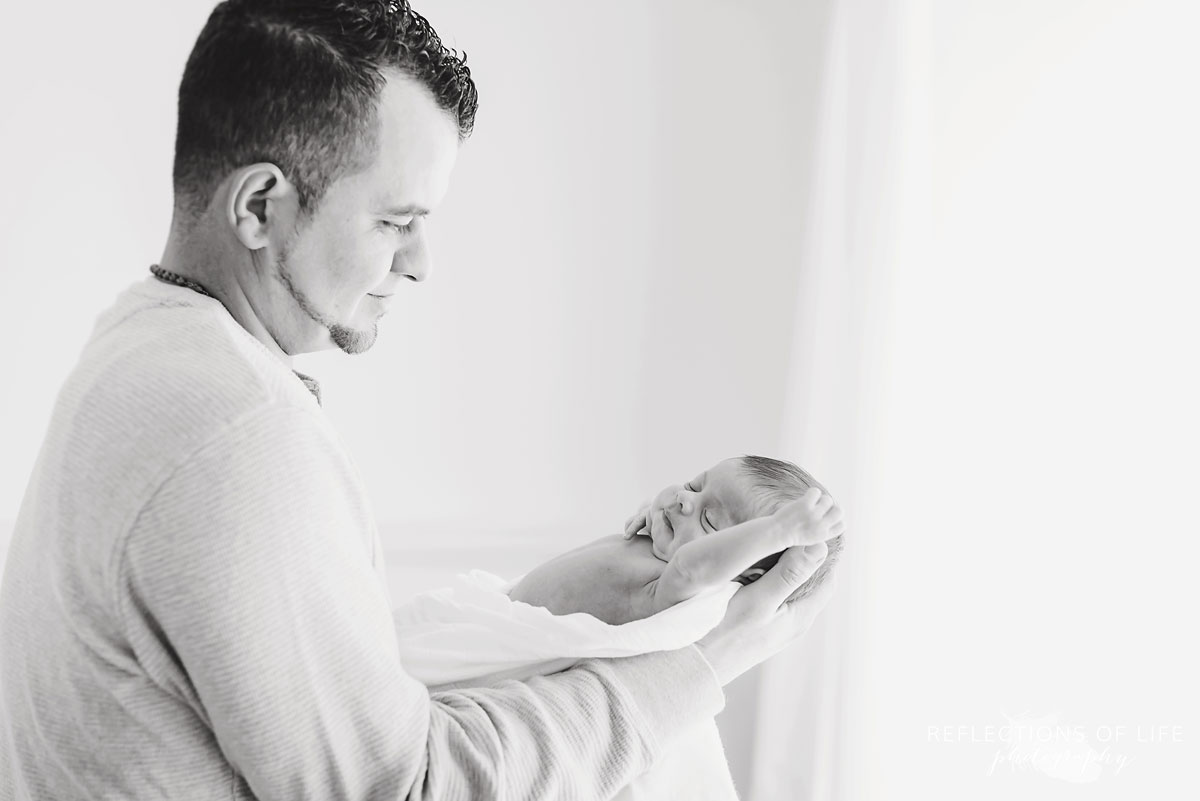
(179, 280)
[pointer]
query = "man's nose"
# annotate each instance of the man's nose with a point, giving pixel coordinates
(414, 261)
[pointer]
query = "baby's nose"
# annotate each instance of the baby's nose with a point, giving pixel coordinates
(684, 499)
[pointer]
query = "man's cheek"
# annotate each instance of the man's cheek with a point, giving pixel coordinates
(373, 267)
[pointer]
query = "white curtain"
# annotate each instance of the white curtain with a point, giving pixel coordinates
(995, 364)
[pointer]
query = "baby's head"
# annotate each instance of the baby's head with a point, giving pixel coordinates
(731, 492)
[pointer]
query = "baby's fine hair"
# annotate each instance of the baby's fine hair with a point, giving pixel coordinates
(775, 483)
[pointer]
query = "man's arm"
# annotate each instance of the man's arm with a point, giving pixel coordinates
(246, 589)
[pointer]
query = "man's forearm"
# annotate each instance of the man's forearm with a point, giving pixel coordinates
(582, 733)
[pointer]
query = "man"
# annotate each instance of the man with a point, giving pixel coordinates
(194, 603)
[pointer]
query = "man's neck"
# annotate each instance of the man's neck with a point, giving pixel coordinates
(222, 269)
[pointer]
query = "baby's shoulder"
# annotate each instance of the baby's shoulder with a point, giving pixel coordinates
(633, 558)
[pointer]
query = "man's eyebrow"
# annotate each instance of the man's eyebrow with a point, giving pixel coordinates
(411, 210)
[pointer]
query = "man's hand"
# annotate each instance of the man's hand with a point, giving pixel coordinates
(762, 618)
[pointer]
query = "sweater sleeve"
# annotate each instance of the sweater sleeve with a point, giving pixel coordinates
(247, 591)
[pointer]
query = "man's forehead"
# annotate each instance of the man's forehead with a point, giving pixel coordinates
(410, 119)
(416, 147)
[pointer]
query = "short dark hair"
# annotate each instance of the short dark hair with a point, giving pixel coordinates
(296, 83)
(775, 483)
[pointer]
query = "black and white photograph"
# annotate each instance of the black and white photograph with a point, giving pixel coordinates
(458, 400)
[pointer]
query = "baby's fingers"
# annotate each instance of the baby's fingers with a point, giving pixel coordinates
(635, 525)
(809, 519)
(811, 497)
(637, 521)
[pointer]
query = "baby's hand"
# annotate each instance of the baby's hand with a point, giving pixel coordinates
(810, 519)
(637, 524)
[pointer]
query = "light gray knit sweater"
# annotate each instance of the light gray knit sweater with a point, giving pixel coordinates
(194, 606)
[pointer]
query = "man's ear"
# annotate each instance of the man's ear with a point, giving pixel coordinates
(262, 202)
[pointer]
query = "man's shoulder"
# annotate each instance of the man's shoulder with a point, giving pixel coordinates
(160, 376)
(167, 354)
(157, 387)
(185, 352)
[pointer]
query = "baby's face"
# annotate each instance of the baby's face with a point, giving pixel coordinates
(718, 498)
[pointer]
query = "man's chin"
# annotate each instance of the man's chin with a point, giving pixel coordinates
(352, 340)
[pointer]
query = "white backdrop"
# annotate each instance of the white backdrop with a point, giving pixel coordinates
(942, 253)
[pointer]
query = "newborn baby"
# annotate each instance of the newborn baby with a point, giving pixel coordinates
(728, 524)
(731, 523)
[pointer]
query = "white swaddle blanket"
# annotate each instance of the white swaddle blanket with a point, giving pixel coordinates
(472, 634)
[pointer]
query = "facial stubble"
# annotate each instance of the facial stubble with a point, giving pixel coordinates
(349, 340)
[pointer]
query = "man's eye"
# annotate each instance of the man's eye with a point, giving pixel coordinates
(399, 227)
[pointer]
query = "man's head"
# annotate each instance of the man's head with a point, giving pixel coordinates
(727, 494)
(318, 134)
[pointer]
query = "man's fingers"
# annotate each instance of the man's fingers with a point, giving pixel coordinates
(804, 610)
(795, 566)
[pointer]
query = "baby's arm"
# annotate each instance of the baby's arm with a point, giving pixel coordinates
(726, 554)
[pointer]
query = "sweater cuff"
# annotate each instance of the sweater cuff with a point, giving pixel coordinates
(674, 691)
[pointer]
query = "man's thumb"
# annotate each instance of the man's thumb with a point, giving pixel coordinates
(796, 566)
